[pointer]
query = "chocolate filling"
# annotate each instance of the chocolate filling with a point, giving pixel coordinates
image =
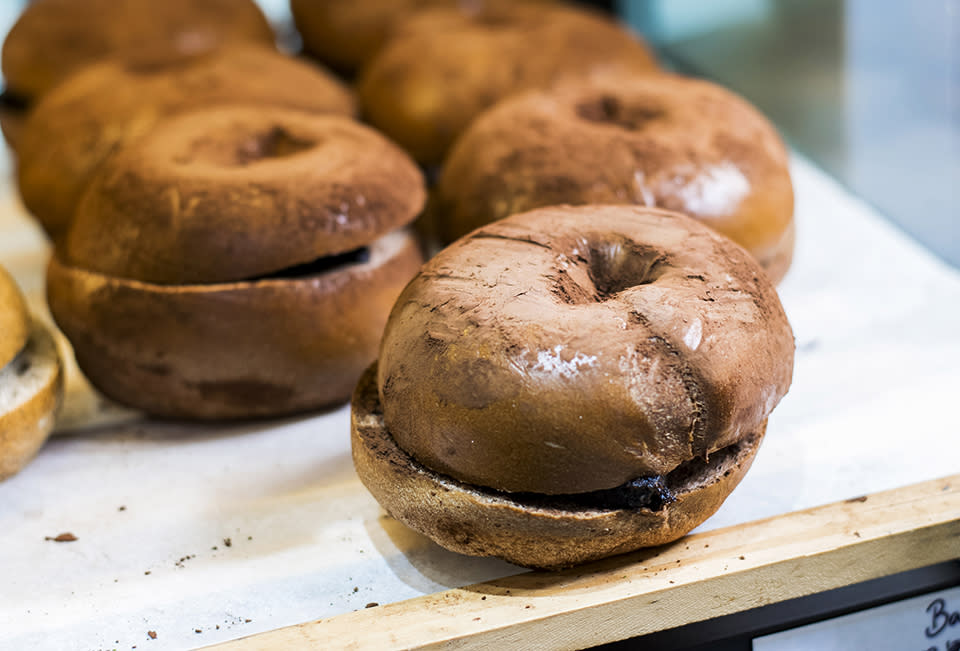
(323, 265)
(11, 101)
(652, 493)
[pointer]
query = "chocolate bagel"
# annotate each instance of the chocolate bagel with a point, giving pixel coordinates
(671, 142)
(52, 39)
(237, 262)
(442, 67)
(601, 376)
(237, 193)
(97, 111)
(346, 35)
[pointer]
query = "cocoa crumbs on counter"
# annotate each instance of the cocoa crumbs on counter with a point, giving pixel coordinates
(64, 537)
(227, 542)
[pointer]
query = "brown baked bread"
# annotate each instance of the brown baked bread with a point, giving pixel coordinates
(442, 67)
(14, 319)
(345, 34)
(235, 349)
(237, 262)
(593, 378)
(53, 39)
(676, 143)
(31, 389)
(97, 111)
(31, 382)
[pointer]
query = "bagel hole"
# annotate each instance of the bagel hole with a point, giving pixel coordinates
(274, 143)
(323, 265)
(610, 110)
(619, 264)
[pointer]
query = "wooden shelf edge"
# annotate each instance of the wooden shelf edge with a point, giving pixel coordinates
(699, 577)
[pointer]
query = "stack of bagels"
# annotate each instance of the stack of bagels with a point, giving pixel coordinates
(587, 367)
(228, 239)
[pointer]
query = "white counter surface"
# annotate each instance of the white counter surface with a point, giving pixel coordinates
(153, 505)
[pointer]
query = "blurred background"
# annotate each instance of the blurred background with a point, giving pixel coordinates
(867, 89)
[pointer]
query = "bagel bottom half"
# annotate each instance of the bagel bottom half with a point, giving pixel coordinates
(537, 531)
(263, 347)
(31, 388)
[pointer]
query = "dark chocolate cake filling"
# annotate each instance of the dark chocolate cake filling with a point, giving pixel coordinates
(326, 264)
(649, 493)
(643, 493)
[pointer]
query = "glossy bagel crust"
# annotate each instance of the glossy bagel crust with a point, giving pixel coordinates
(14, 319)
(589, 346)
(671, 142)
(54, 38)
(346, 34)
(231, 350)
(442, 68)
(232, 193)
(82, 122)
(33, 384)
(542, 534)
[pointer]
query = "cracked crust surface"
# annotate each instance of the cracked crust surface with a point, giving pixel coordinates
(474, 520)
(587, 345)
(676, 143)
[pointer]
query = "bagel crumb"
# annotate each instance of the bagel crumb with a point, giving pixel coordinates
(63, 537)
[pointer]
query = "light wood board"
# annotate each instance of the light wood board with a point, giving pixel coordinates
(700, 577)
